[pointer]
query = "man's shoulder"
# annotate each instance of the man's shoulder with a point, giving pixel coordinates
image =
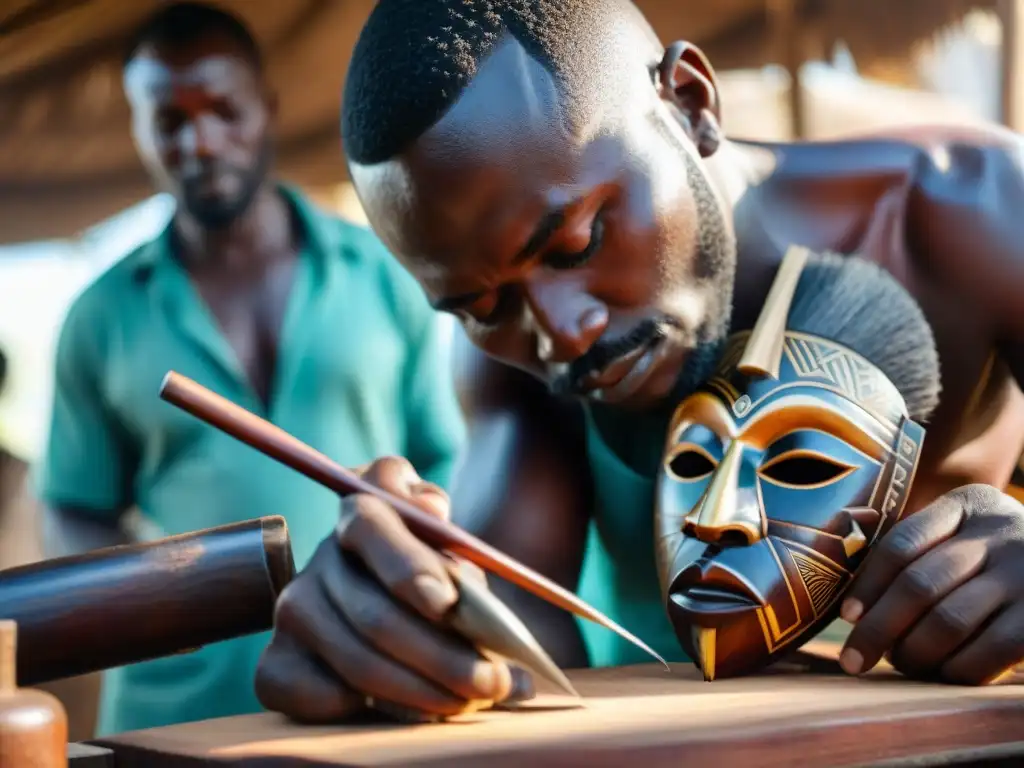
(363, 251)
(359, 245)
(104, 294)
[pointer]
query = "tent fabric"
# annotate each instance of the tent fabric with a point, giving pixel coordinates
(66, 157)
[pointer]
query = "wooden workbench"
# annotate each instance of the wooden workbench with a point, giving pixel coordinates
(785, 717)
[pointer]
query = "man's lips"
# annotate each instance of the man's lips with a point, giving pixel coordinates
(613, 373)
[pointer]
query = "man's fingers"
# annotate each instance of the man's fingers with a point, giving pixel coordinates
(393, 474)
(289, 680)
(316, 625)
(403, 564)
(398, 477)
(907, 541)
(992, 654)
(432, 498)
(522, 686)
(914, 591)
(463, 570)
(948, 625)
(434, 654)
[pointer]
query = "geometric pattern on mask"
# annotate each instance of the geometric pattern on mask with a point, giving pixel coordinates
(822, 583)
(832, 365)
(855, 377)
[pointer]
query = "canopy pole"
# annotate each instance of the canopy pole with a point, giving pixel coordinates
(1011, 59)
(787, 41)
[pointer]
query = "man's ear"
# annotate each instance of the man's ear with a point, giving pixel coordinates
(687, 81)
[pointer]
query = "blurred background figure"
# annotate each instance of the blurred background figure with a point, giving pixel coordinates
(76, 201)
(256, 293)
(12, 484)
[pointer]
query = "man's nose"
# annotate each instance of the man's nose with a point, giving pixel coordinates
(567, 320)
(201, 138)
(722, 516)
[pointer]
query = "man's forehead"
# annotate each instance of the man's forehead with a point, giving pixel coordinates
(155, 74)
(501, 157)
(503, 143)
(211, 62)
(440, 216)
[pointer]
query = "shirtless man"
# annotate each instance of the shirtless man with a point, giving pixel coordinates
(557, 178)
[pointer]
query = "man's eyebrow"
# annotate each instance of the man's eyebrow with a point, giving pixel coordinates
(549, 224)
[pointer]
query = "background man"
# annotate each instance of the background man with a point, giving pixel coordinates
(256, 294)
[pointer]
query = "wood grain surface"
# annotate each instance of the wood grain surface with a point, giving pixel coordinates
(795, 714)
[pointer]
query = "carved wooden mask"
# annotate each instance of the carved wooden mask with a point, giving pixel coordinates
(778, 476)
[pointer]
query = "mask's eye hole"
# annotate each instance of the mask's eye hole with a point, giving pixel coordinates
(800, 469)
(690, 462)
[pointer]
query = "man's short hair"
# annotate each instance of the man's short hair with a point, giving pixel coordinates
(414, 58)
(179, 24)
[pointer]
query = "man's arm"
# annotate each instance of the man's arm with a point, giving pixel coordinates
(523, 486)
(434, 425)
(85, 478)
(967, 546)
(966, 215)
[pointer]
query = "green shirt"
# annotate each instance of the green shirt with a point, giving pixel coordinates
(619, 576)
(363, 371)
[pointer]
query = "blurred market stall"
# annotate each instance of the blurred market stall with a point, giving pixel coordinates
(66, 159)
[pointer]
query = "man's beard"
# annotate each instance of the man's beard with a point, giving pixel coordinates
(716, 267)
(705, 349)
(716, 264)
(216, 214)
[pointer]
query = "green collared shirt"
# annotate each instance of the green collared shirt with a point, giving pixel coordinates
(363, 371)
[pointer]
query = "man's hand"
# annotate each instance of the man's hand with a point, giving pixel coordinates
(357, 628)
(943, 592)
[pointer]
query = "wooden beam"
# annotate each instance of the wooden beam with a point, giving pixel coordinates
(1011, 16)
(786, 38)
(88, 756)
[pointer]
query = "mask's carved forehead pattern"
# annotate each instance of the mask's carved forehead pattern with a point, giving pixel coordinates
(809, 360)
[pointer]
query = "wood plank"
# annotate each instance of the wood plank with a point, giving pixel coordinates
(635, 714)
(89, 756)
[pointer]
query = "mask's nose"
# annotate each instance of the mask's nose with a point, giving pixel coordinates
(721, 517)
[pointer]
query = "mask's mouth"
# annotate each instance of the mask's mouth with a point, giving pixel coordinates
(709, 588)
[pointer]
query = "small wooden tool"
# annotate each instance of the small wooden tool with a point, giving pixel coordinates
(33, 724)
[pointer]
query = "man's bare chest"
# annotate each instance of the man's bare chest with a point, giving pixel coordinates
(250, 313)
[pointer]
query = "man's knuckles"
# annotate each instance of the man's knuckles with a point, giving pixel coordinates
(363, 516)
(920, 585)
(394, 474)
(374, 621)
(287, 681)
(289, 613)
(978, 499)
